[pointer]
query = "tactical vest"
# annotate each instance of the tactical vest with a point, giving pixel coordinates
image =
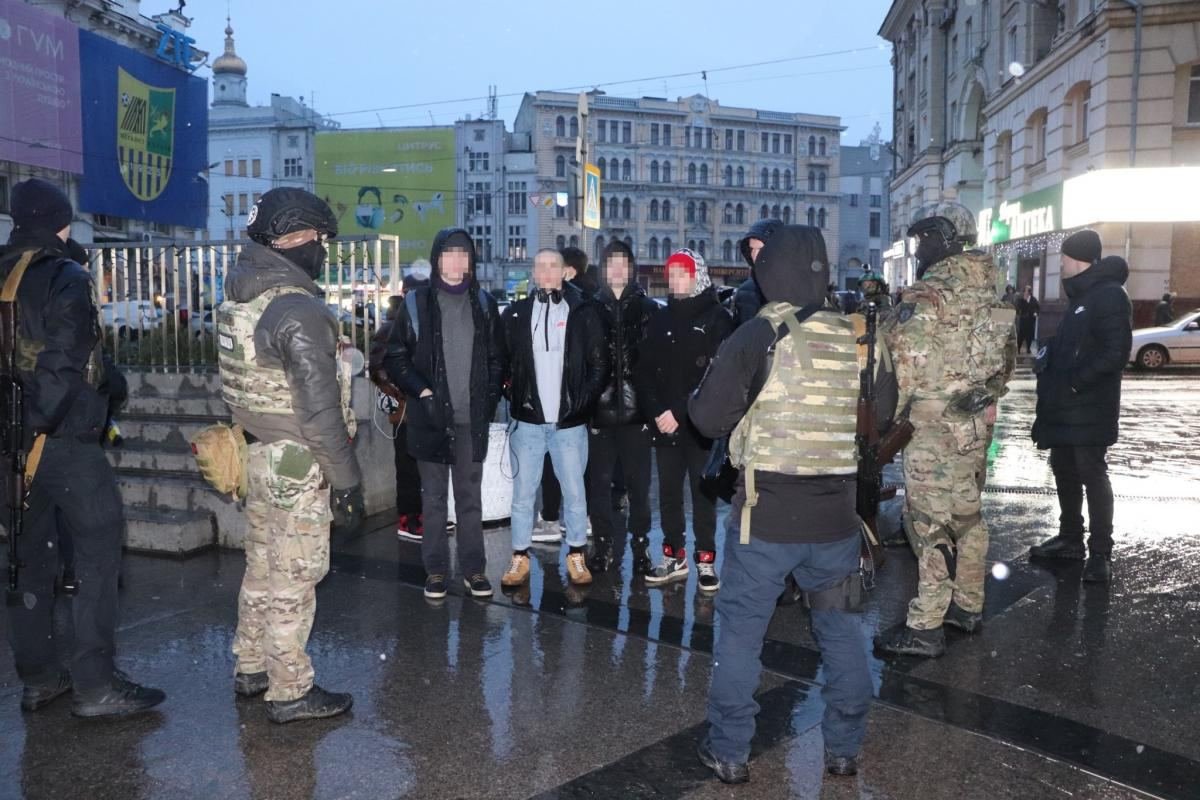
(245, 383)
(803, 422)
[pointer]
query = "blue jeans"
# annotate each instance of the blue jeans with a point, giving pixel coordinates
(568, 449)
(751, 582)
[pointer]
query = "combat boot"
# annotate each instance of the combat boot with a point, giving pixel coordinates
(642, 565)
(965, 621)
(122, 696)
(1066, 548)
(727, 771)
(250, 684)
(317, 704)
(912, 642)
(1098, 568)
(601, 557)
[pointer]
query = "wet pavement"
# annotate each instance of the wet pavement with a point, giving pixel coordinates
(1070, 691)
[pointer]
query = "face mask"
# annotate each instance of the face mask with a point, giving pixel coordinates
(309, 257)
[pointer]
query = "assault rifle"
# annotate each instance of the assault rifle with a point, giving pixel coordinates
(12, 429)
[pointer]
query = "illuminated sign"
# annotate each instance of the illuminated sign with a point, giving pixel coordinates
(1029, 215)
(175, 48)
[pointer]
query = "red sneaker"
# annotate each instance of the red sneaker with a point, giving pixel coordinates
(409, 527)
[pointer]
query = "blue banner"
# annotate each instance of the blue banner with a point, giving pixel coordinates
(145, 137)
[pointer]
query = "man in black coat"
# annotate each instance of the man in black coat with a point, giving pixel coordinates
(445, 350)
(1079, 400)
(679, 343)
(749, 298)
(1164, 314)
(620, 435)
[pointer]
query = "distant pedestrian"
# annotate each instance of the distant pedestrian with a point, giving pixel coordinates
(1027, 313)
(1164, 313)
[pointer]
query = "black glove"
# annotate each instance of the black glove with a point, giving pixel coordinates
(348, 509)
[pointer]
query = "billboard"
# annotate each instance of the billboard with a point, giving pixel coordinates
(397, 182)
(145, 137)
(39, 89)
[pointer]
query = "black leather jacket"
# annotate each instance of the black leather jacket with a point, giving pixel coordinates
(625, 322)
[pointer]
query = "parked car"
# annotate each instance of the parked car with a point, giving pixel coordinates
(130, 317)
(1177, 343)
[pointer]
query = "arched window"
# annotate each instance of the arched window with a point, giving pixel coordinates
(627, 170)
(1079, 101)
(598, 249)
(704, 174)
(560, 167)
(765, 176)
(727, 217)
(574, 126)
(821, 181)
(775, 211)
(727, 251)
(741, 181)
(812, 145)
(787, 180)
(729, 176)
(560, 127)
(821, 218)
(692, 245)
(602, 165)
(740, 214)
(821, 151)
(666, 172)
(652, 248)
(787, 215)
(764, 212)
(560, 242)
(701, 248)
(666, 210)
(629, 243)
(1004, 159)
(1035, 135)
(691, 173)
(654, 172)
(614, 208)
(691, 211)
(812, 181)
(703, 211)
(775, 179)
(574, 240)
(626, 209)
(654, 210)
(812, 216)
(666, 247)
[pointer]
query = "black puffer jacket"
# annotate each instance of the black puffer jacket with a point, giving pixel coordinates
(680, 341)
(299, 335)
(55, 309)
(1079, 373)
(416, 363)
(585, 366)
(626, 320)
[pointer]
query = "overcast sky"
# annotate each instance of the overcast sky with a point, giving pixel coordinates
(398, 62)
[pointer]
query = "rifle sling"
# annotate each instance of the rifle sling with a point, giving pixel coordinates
(8, 295)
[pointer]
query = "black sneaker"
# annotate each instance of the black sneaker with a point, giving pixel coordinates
(250, 684)
(965, 621)
(40, 695)
(602, 556)
(673, 568)
(1098, 568)
(727, 771)
(706, 569)
(435, 587)
(477, 585)
(843, 766)
(1066, 548)
(911, 642)
(122, 696)
(642, 565)
(317, 704)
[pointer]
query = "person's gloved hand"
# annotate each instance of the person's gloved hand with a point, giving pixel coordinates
(348, 509)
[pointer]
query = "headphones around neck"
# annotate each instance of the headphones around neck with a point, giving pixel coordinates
(549, 295)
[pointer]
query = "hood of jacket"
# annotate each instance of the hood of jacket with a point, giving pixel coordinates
(1110, 269)
(761, 230)
(260, 268)
(439, 244)
(615, 247)
(793, 266)
(685, 308)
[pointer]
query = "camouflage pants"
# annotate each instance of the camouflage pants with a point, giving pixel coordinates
(287, 555)
(944, 520)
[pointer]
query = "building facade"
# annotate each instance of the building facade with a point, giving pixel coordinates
(864, 221)
(1006, 106)
(683, 173)
(253, 148)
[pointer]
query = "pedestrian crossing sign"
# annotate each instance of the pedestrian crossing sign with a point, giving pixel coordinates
(591, 196)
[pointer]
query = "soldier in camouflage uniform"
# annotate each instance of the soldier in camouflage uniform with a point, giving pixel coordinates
(287, 387)
(950, 339)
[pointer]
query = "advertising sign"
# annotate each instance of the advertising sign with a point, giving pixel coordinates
(398, 182)
(39, 89)
(145, 137)
(591, 196)
(1029, 215)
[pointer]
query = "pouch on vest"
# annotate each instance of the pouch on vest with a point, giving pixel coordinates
(221, 453)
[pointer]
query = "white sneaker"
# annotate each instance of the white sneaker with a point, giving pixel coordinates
(546, 532)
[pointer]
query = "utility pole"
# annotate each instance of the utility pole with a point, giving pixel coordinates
(581, 152)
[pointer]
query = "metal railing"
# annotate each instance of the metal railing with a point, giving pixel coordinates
(158, 300)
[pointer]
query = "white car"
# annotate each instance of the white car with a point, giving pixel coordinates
(1177, 343)
(129, 317)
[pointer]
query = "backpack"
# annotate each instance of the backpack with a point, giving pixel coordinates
(221, 454)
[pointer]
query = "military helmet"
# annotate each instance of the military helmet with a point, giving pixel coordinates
(954, 220)
(871, 276)
(287, 210)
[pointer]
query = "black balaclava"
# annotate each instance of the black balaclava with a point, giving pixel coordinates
(309, 257)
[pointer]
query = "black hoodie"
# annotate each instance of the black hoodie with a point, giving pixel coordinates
(416, 363)
(749, 298)
(793, 268)
(626, 319)
(1079, 370)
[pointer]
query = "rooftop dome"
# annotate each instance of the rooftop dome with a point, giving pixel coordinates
(230, 61)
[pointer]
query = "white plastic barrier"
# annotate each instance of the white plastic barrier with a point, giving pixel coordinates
(497, 478)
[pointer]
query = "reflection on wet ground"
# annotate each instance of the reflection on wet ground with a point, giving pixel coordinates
(599, 692)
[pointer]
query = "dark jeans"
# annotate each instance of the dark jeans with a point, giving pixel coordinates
(751, 580)
(551, 492)
(1025, 332)
(626, 447)
(468, 506)
(74, 494)
(677, 464)
(1076, 468)
(408, 477)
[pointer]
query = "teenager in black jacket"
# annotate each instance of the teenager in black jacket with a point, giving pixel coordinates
(680, 342)
(1079, 400)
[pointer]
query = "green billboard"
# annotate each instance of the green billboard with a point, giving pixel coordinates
(397, 182)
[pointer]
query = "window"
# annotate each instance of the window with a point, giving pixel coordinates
(812, 216)
(479, 134)
(691, 245)
(741, 175)
(969, 39)
(560, 127)
(518, 200)
(1037, 136)
(479, 198)
(477, 162)
(728, 176)
(787, 144)
(787, 180)
(691, 211)
(812, 180)
(727, 216)
(666, 246)
(242, 168)
(953, 51)
(775, 179)
(727, 250)
(626, 132)
(764, 142)
(612, 131)
(228, 204)
(602, 165)
(574, 241)
(654, 172)
(652, 248)
(560, 167)
(666, 172)
(598, 249)
(729, 138)
(629, 243)
(1078, 101)
(821, 181)
(653, 210)
(627, 170)
(704, 174)
(614, 208)
(741, 140)
(775, 142)
(708, 138)
(626, 209)
(703, 212)
(560, 212)
(821, 146)
(764, 212)
(765, 178)
(256, 168)
(1193, 109)
(517, 248)
(775, 212)
(854, 201)
(293, 141)
(874, 258)
(787, 215)
(821, 218)
(876, 201)
(243, 204)
(666, 134)
(691, 173)
(653, 133)
(953, 121)
(697, 134)
(1004, 156)
(574, 126)
(1011, 50)
(812, 145)
(253, 201)
(701, 248)
(687, 136)
(229, 167)
(560, 242)
(601, 132)
(4, 209)
(873, 229)
(292, 168)
(666, 210)
(739, 214)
